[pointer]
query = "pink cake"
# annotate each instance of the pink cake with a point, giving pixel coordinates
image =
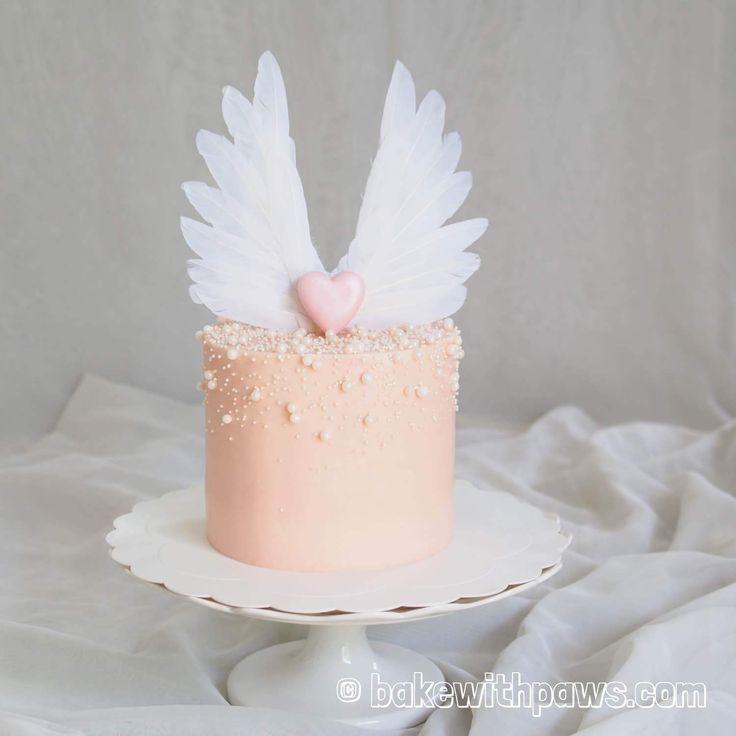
(330, 454)
(330, 395)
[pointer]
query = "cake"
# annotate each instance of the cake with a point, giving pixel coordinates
(330, 397)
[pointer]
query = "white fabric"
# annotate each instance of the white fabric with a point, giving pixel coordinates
(647, 592)
(599, 135)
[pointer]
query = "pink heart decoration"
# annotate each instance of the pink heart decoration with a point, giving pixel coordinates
(331, 302)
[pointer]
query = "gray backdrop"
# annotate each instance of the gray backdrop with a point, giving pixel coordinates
(600, 134)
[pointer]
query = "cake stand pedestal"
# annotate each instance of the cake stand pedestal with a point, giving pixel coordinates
(501, 547)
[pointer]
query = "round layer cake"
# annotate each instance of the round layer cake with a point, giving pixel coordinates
(330, 452)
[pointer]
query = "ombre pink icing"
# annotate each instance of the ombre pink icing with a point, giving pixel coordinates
(330, 453)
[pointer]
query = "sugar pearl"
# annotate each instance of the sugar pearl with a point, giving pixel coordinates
(325, 436)
(281, 349)
(367, 377)
(232, 340)
(346, 386)
(307, 360)
(316, 365)
(422, 392)
(208, 375)
(451, 349)
(367, 420)
(255, 395)
(198, 335)
(211, 384)
(232, 353)
(448, 324)
(295, 418)
(291, 407)
(226, 419)
(301, 332)
(330, 335)
(207, 328)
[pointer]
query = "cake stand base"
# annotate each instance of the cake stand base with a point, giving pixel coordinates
(335, 673)
(501, 547)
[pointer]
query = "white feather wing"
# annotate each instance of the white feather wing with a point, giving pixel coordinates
(257, 242)
(413, 268)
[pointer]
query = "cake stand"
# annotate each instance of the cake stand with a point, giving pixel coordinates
(501, 547)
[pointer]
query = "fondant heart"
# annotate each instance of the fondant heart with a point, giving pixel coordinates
(331, 302)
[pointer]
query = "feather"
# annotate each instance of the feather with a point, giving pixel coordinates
(413, 267)
(257, 241)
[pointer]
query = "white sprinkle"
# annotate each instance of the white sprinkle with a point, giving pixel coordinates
(211, 384)
(295, 418)
(281, 349)
(422, 392)
(232, 354)
(226, 419)
(232, 340)
(346, 386)
(291, 407)
(367, 377)
(307, 360)
(316, 365)
(448, 324)
(325, 436)
(300, 333)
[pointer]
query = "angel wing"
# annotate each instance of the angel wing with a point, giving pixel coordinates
(257, 243)
(413, 268)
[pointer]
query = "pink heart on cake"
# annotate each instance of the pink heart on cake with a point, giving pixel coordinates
(331, 301)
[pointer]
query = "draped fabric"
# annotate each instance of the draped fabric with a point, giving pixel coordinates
(647, 592)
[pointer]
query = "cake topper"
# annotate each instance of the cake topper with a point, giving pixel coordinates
(257, 263)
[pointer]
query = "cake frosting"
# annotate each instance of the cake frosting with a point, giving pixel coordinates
(330, 452)
(330, 396)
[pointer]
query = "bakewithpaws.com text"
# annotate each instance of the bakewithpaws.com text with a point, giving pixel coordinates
(510, 691)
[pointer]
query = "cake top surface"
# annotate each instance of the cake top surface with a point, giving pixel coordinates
(256, 262)
(237, 336)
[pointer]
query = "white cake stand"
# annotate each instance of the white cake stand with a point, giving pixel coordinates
(501, 547)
